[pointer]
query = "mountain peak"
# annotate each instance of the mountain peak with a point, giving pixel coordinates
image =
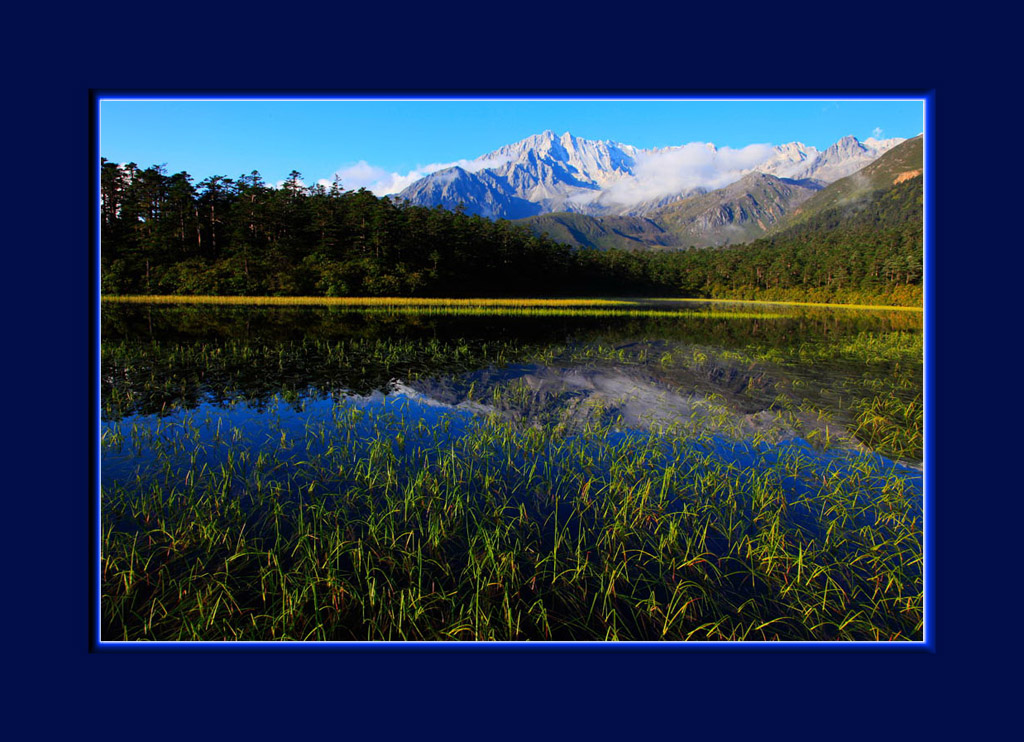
(846, 145)
(550, 172)
(845, 157)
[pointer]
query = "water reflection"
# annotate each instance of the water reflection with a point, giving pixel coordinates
(155, 359)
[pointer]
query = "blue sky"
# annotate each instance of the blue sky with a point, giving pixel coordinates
(365, 140)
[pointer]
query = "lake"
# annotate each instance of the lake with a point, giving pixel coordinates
(645, 472)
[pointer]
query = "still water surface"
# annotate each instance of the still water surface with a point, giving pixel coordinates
(207, 380)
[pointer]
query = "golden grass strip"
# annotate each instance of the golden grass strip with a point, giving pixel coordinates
(890, 307)
(566, 312)
(405, 301)
(364, 301)
(524, 307)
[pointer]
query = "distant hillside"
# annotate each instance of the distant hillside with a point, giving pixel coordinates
(753, 207)
(740, 212)
(863, 243)
(602, 232)
(873, 255)
(850, 194)
(897, 207)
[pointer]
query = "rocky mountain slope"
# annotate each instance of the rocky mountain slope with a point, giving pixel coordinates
(900, 164)
(547, 173)
(738, 213)
(756, 205)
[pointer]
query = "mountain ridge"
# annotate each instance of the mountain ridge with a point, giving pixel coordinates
(547, 173)
(755, 206)
(900, 164)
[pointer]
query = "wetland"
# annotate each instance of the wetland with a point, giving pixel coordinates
(648, 470)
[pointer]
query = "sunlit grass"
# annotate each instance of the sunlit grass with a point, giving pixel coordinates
(368, 525)
(886, 307)
(454, 307)
(405, 301)
(364, 301)
(874, 391)
(372, 527)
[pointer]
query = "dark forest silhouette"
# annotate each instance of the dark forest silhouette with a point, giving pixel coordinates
(161, 234)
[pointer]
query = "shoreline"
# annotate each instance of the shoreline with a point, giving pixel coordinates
(372, 301)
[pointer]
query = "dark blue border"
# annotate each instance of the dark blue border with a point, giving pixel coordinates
(932, 619)
(59, 58)
(94, 375)
(96, 645)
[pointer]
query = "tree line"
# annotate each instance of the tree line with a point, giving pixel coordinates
(164, 234)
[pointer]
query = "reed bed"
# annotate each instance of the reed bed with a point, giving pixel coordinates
(243, 498)
(883, 400)
(371, 525)
(869, 381)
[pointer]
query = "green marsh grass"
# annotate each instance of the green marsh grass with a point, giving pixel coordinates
(361, 524)
(883, 402)
(870, 381)
(398, 532)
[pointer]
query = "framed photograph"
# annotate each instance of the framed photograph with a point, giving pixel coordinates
(514, 371)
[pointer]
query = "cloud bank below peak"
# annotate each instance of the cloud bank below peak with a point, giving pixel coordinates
(697, 165)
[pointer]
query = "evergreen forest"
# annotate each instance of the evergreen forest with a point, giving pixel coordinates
(165, 234)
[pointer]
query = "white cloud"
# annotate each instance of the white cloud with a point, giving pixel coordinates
(877, 132)
(364, 175)
(679, 169)
(383, 182)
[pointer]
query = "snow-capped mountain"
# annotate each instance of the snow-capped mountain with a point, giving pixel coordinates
(843, 158)
(547, 173)
(540, 174)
